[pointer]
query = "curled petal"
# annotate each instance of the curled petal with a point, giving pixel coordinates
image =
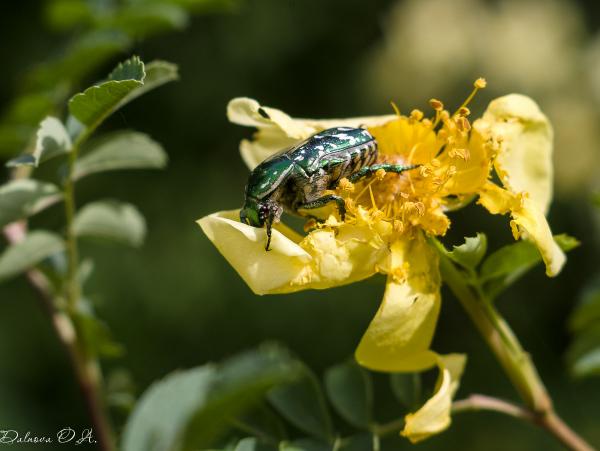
(278, 131)
(434, 416)
(528, 221)
(399, 335)
(322, 259)
(524, 136)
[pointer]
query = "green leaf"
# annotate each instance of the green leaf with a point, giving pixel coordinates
(583, 356)
(21, 256)
(253, 444)
(302, 403)
(95, 104)
(81, 59)
(190, 409)
(20, 120)
(502, 268)
(147, 20)
(587, 311)
(25, 197)
(407, 389)
(305, 444)
(471, 252)
(361, 442)
(121, 150)
(125, 83)
(52, 140)
(158, 73)
(111, 220)
(64, 15)
(350, 390)
(94, 334)
(165, 409)
(131, 69)
(263, 422)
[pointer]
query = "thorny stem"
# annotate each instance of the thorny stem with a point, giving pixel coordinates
(512, 357)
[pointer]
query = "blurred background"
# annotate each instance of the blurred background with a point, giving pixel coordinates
(176, 303)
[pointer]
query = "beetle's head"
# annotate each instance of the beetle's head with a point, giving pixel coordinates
(254, 212)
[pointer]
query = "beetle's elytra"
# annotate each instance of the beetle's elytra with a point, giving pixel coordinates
(297, 178)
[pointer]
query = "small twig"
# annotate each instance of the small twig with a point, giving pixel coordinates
(483, 402)
(548, 421)
(86, 371)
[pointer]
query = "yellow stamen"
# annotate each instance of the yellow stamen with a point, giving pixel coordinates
(436, 104)
(417, 115)
(395, 107)
(480, 83)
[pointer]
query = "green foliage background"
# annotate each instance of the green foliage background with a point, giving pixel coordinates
(176, 303)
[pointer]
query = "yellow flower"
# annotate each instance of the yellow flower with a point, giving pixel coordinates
(389, 217)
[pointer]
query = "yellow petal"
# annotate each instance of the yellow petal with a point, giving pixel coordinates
(399, 336)
(278, 131)
(434, 416)
(528, 221)
(322, 259)
(524, 159)
(532, 224)
(472, 171)
(414, 141)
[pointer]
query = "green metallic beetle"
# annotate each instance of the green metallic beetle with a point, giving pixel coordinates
(297, 178)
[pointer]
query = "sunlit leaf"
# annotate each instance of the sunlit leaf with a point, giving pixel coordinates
(189, 409)
(158, 73)
(111, 220)
(98, 102)
(52, 140)
(21, 256)
(471, 252)
(121, 150)
(350, 390)
(25, 197)
(302, 403)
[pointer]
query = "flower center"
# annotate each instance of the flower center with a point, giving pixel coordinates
(416, 198)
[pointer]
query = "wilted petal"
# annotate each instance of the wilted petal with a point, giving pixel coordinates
(322, 259)
(528, 221)
(278, 131)
(399, 336)
(524, 135)
(434, 416)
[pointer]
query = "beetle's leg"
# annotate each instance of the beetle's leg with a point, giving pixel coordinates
(322, 201)
(269, 229)
(387, 167)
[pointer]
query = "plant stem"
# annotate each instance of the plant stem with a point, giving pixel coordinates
(549, 421)
(87, 366)
(512, 357)
(86, 370)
